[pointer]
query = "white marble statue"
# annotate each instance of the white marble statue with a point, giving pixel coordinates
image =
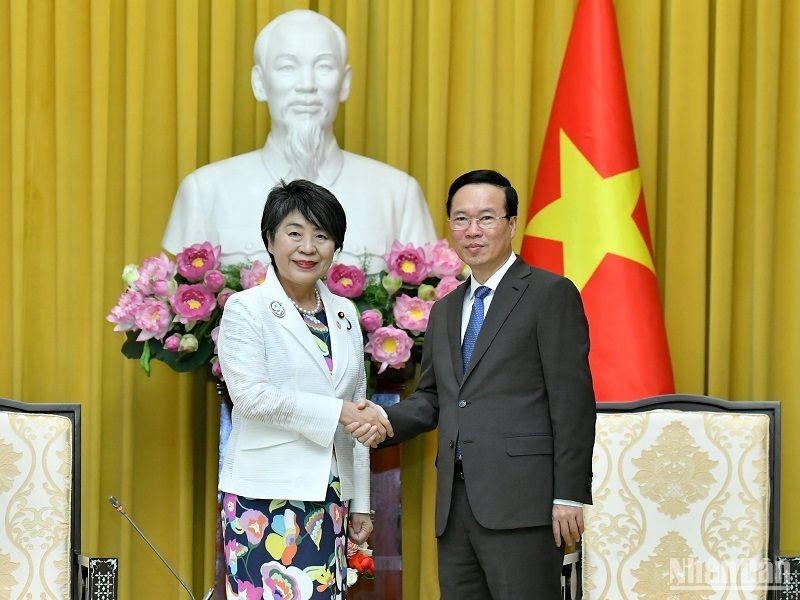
(301, 71)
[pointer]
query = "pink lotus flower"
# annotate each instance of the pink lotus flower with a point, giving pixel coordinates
(346, 280)
(253, 275)
(370, 320)
(215, 337)
(446, 285)
(214, 280)
(223, 296)
(443, 260)
(408, 263)
(153, 318)
(123, 315)
(173, 342)
(155, 271)
(164, 287)
(193, 303)
(412, 313)
(216, 369)
(390, 347)
(196, 260)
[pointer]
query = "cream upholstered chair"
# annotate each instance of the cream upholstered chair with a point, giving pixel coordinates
(39, 499)
(686, 497)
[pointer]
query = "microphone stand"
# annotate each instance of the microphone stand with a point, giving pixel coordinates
(121, 510)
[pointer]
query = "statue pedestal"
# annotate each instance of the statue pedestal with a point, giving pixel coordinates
(386, 539)
(385, 491)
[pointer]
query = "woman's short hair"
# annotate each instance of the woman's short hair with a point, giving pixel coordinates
(318, 205)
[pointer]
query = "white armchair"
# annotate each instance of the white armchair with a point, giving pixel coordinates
(39, 499)
(686, 496)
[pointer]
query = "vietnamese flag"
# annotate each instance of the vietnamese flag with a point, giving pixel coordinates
(588, 219)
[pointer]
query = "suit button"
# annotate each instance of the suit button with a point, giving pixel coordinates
(462, 403)
(452, 443)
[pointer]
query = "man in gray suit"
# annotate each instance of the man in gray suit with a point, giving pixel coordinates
(505, 377)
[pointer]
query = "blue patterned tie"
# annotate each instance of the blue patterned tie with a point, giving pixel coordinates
(471, 336)
(474, 325)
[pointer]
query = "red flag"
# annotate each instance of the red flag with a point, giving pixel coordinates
(588, 219)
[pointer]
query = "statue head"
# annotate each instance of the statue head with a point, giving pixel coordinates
(301, 70)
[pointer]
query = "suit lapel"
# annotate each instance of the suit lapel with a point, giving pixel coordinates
(291, 320)
(505, 298)
(455, 307)
(339, 333)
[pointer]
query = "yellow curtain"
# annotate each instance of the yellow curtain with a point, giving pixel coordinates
(105, 105)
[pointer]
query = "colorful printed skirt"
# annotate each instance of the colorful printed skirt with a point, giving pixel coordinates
(286, 549)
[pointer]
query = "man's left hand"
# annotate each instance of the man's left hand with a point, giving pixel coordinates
(567, 523)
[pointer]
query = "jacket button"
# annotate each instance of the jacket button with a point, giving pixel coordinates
(452, 443)
(462, 403)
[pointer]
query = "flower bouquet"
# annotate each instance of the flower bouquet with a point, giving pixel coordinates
(170, 311)
(394, 306)
(359, 563)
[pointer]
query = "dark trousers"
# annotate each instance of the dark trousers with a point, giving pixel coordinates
(476, 563)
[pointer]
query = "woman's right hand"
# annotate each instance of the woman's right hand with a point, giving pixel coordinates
(372, 425)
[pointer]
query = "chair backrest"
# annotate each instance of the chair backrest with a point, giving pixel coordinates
(686, 491)
(39, 499)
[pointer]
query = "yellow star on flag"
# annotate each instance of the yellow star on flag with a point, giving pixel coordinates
(593, 216)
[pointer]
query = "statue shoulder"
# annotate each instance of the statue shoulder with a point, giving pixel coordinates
(241, 165)
(356, 163)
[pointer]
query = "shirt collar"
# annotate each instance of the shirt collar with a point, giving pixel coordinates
(278, 167)
(494, 280)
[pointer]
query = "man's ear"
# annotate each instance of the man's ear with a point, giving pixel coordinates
(257, 81)
(344, 91)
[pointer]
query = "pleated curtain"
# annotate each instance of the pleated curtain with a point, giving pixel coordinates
(105, 105)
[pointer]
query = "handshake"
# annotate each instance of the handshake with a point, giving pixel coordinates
(366, 422)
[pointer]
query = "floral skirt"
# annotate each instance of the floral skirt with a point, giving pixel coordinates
(286, 549)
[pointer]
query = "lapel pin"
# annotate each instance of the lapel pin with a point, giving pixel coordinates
(340, 314)
(277, 309)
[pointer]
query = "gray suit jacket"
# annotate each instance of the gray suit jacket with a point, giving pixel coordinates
(524, 410)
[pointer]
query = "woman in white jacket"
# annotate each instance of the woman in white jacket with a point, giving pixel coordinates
(294, 483)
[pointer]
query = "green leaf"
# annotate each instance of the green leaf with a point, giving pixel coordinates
(183, 362)
(144, 359)
(131, 348)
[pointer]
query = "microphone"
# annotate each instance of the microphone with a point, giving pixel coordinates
(121, 510)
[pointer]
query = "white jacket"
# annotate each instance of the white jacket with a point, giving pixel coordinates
(286, 404)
